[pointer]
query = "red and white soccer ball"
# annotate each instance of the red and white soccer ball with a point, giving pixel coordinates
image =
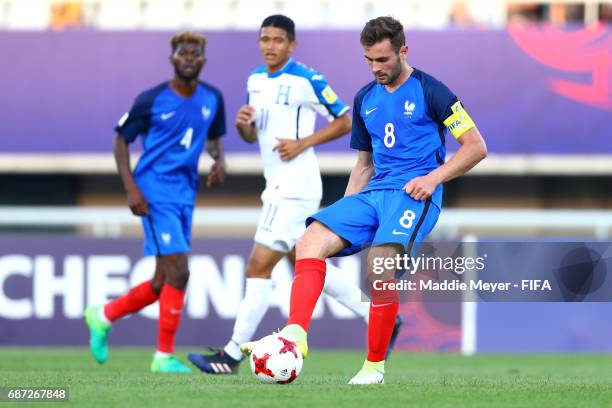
(276, 359)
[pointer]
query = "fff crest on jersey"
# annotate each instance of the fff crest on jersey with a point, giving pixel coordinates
(408, 108)
(205, 112)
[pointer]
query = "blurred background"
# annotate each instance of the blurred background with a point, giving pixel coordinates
(535, 76)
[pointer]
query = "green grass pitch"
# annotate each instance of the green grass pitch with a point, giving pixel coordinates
(423, 380)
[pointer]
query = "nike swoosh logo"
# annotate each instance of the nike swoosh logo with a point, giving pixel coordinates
(395, 232)
(384, 304)
(168, 115)
(368, 111)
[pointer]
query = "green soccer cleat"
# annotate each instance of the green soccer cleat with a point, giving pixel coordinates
(295, 332)
(98, 334)
(292, 331)
(169, 364)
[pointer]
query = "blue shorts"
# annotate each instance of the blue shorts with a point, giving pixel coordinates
(167, 228)
(378, 217)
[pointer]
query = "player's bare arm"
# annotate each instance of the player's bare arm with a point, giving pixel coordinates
(216, 176)
(244, 124)
(472, 150)
(361, 173)
(290, 148)
(136, 201)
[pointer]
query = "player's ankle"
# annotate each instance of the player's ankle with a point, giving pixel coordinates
(162, 354)
(102, 316)
(374, 365)
(296, 331)
(232, 349)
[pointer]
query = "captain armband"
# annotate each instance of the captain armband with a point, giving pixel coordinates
(459, 121)
(329, 95)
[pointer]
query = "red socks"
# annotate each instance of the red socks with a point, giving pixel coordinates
(307, 287)
(171, 302)
(383, 311)
(170, 307)
(137, 298)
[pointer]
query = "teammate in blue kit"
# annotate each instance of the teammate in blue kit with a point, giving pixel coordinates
(176, 120)
(394, 193)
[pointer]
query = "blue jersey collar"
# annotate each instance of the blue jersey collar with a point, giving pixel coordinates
(184, 98)
(281, 71)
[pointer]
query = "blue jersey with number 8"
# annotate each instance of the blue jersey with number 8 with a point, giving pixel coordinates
(403, 129)
(174, 130)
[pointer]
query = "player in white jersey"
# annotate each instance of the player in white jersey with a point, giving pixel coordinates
(284, 98)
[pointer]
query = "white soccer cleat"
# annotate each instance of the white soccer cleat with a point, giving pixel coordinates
(363, 377)
(370, 373)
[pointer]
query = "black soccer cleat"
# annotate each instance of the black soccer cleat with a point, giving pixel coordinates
(216, 362)
(399, 321)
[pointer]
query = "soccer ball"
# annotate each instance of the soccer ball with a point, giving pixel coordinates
(276, 359)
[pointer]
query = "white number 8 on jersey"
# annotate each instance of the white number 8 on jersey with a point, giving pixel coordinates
(389, 139)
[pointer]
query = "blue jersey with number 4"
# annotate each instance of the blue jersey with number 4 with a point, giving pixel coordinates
(174, 130)
(403, 129)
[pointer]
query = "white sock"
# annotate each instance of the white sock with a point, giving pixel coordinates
(252, 309)
(348, 294)
(161, 354)
(102, 316)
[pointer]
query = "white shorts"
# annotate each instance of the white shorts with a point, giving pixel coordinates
(282, 222)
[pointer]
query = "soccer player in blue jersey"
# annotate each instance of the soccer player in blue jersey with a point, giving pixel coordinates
(394, 193)
(176, 120)
(284, 98)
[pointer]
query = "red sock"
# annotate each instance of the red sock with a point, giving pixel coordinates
(137, 298)
(170, 307)
(306, 289)
(383, 311)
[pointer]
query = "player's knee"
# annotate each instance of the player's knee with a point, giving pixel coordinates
(178, 278)
(382, 262)
(302, 245)
(158, 280)
(157, 283)
(176, 270)
(257, 268)
(310, 243)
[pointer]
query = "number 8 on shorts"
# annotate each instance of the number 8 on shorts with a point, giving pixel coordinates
(407, 218)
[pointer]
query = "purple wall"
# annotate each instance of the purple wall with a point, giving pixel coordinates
(46, 281)
(544, 327)
(63, 92)
(88, 271)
